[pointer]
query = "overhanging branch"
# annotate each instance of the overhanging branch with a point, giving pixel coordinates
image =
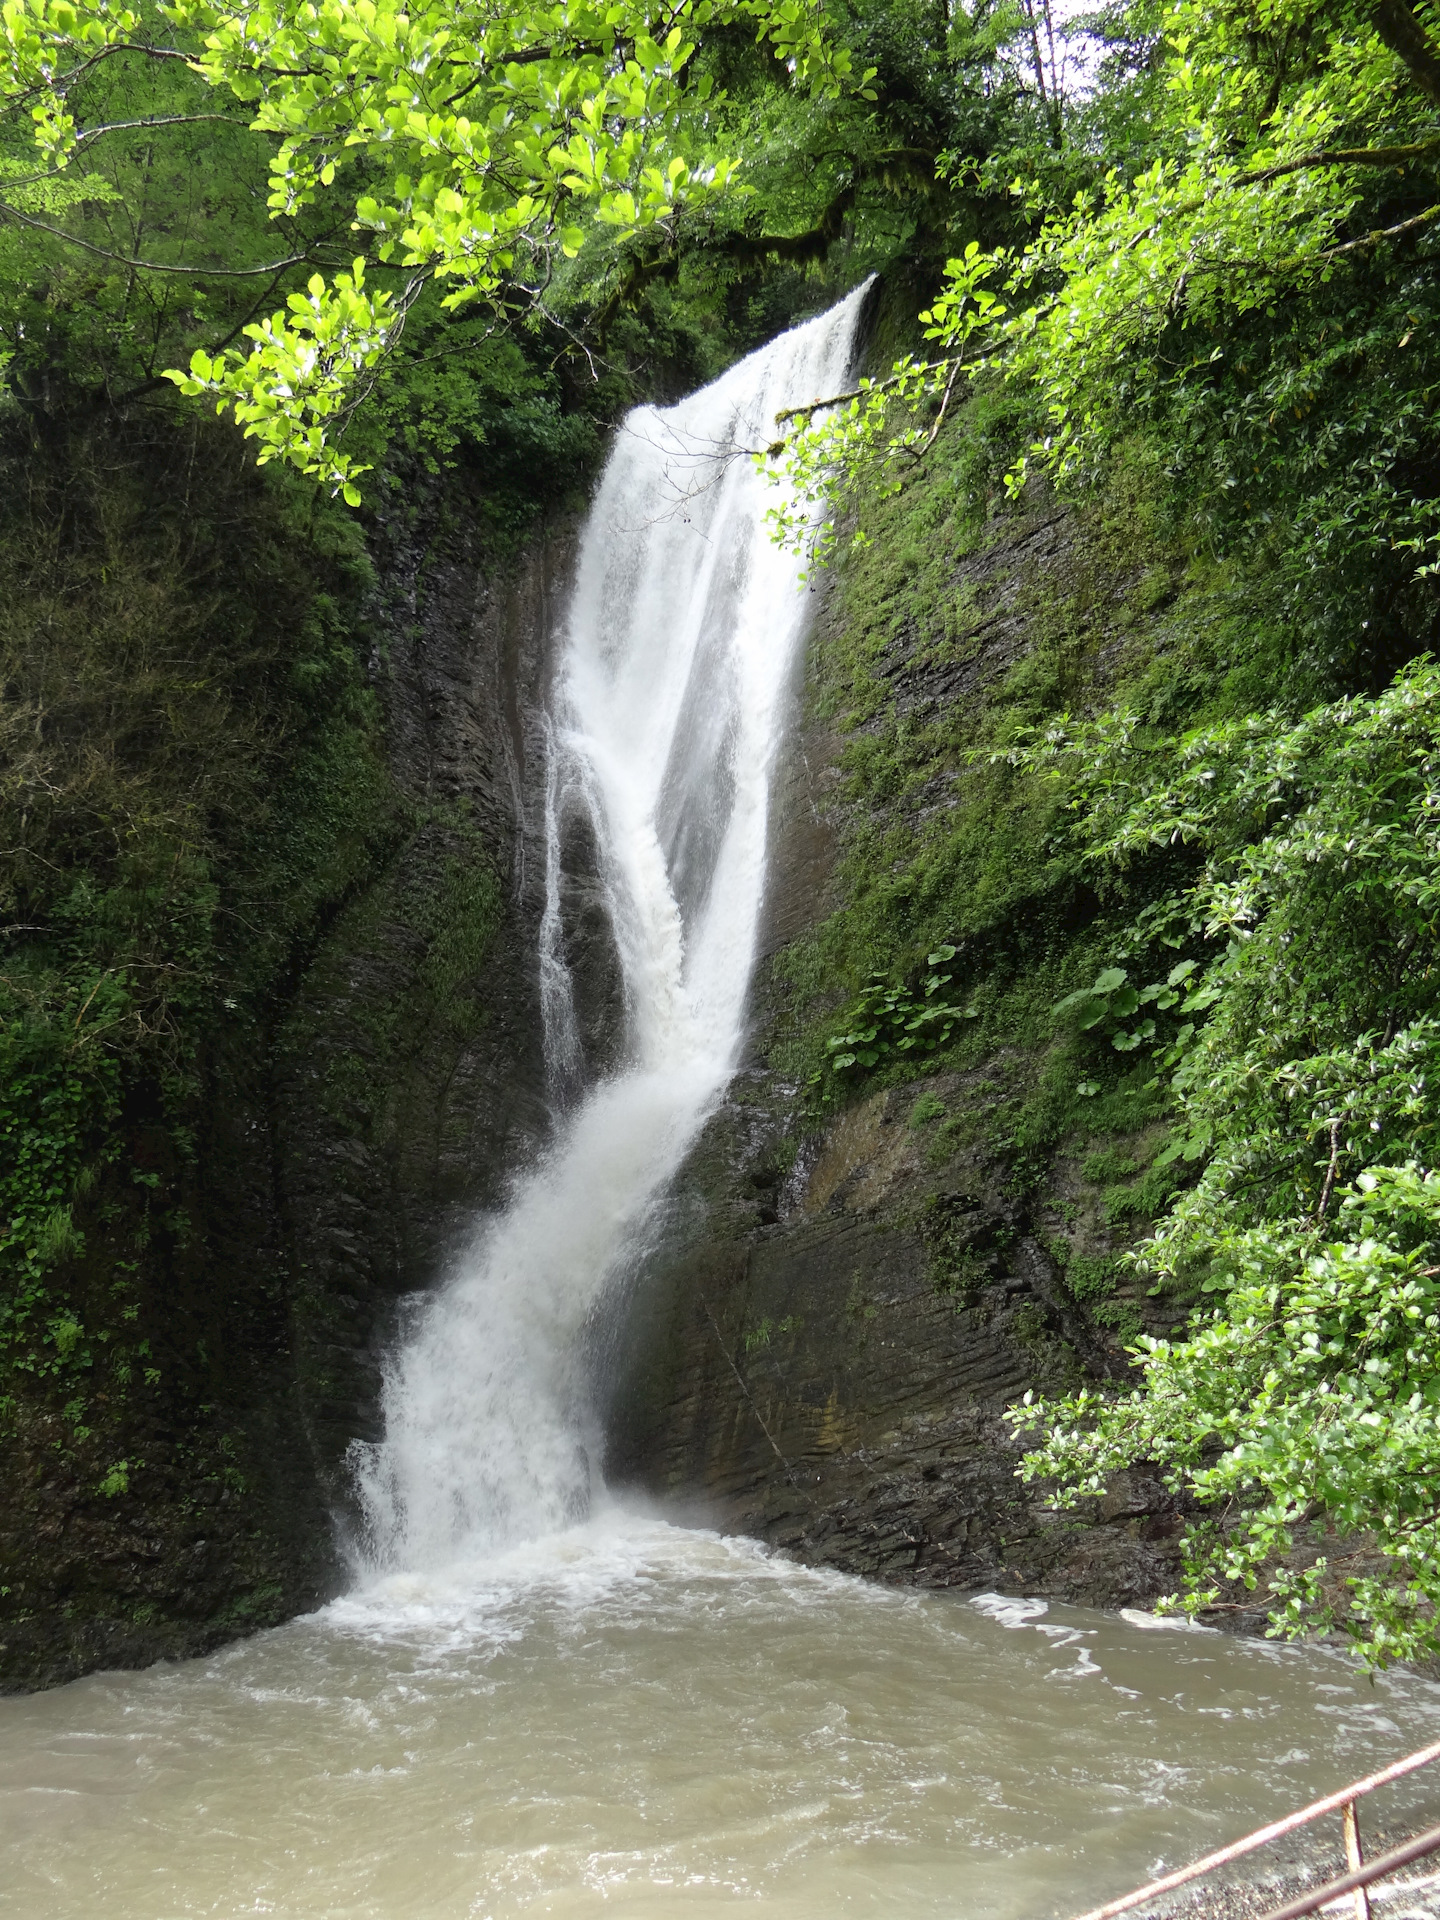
(1398, 27)
(813, 244)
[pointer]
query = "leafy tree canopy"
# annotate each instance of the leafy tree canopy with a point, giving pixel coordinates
(1232, 241)
(462, 145)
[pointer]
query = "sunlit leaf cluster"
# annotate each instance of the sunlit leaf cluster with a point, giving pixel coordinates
(465, 145)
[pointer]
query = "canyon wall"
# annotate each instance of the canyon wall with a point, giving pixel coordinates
(844, 1293)
(843, 1301)
(347, 1119)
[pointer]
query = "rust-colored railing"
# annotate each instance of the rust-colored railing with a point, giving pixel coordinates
(1361, 1875)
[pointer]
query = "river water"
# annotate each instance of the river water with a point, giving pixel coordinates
(534, 1701)
(632, 1720)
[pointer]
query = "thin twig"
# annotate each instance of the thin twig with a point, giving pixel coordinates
(151, 266)
(917, 454)
(740, 1380)
(93, 991)
(1329, 1185)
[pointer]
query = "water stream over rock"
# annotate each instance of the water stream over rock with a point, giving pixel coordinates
(667, 719)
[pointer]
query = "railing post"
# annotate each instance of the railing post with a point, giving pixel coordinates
(1355, 1859)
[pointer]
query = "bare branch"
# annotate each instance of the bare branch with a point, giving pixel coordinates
(859, 393)
(151, 266)
(1329, 1185)
(919, 453)
(63, 81)
(157, 120)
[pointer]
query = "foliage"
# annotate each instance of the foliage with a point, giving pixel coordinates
(465, 145)
(1248, 942)
(1304, 1080)
(1110, 1001)
(533, 179)
(1312, 1397)
(60, 1102)
(940, 842)
(1234, 244)
(1266, 145)
(1316, 906)
(886, 1021)
(838, 183)
(1237, 278)
(174, 651)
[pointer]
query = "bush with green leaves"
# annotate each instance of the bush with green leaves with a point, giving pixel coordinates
(1111, 1001)
(1312, 1396)
(1307, 1087)
(60, 1096)
(1313, 907)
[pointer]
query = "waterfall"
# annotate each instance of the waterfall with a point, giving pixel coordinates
(664, 726)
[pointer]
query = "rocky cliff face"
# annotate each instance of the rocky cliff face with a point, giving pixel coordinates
(352, 1123)
(820, 1352)
(401, 1095)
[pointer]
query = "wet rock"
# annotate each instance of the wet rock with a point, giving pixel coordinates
(379, 1105)
(822, 1359)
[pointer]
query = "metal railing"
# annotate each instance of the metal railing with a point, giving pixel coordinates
(1357, 1880)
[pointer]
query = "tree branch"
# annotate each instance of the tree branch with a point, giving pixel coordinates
(1325, 157)
(1329, 1185)
(63, 81)
(521, 57)
(1407, 39)
(1371, 239)
(157, 120)
(813, 244)
(156, 381)
(918, 453)
(833, 400)
(639, 274)
(151, 266)
(859, 393)
(1341, 157)
(8, 184)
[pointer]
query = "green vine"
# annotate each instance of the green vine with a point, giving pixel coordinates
(60, 1094)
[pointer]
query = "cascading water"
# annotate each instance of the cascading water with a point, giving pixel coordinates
(667, 716)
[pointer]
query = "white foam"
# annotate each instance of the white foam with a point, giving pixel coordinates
(1163, 1622)
(1010, 1610)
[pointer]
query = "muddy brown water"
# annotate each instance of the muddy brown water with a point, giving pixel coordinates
(633, 1719)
